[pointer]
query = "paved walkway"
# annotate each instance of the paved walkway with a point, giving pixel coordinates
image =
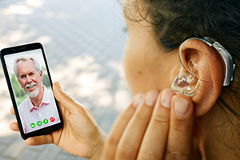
(83, 41)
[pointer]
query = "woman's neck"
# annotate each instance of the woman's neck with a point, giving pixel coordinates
(216, 135)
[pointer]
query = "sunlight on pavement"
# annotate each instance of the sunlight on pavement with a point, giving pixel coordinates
(4, 125)
(35, 3)
(87, 83)
(5, 103)
(44, 39)
(117, 66)
(4, 113)
(23, 9)
(17, 9)
(14, 37)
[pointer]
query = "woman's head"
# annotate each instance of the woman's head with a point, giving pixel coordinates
(156, 30)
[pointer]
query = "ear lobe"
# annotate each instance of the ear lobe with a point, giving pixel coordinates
(209, 70)
(41, 73)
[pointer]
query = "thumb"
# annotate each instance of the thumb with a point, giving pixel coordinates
(64, 99)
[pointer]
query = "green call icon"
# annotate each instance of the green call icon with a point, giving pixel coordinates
(39, 123)
(32, 125)
(45, 121)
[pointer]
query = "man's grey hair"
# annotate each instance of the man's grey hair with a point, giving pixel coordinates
(37, 66)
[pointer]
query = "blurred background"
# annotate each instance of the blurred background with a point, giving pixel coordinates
(83, 42)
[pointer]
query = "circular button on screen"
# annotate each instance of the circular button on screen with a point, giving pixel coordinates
(32, 125)
(39, 123)
(52, 119)
(45, 121)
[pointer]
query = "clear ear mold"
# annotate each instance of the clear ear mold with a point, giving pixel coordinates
(186, 83)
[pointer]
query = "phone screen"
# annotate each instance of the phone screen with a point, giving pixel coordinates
(31, 89)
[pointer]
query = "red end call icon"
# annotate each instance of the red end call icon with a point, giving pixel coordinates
(52, 119)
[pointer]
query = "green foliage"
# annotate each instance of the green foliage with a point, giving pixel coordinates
(45, 77)
(46, 81)
(18, 90)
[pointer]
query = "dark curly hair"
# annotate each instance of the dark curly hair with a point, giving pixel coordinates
(174, 21)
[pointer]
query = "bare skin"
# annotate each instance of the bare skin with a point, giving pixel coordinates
(152, 131)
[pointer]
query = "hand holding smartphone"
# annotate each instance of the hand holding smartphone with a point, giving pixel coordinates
(30, 86)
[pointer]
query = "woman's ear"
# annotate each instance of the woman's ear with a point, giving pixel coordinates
(209, 69)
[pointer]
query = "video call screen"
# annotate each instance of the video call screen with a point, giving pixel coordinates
(32, 90)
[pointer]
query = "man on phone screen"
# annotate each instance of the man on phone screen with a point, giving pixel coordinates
(39, 109)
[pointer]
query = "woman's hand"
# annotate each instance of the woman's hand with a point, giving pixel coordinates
(80, 134)
(155, 126)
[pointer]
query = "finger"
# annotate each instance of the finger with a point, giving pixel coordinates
(118, 128)
(14, 126)
(181, 128)
(132, 137)
(45, 139)
(155, 138)
(66, 101)
(12, 110)
(39, 140)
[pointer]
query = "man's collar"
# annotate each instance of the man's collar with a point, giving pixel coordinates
(45, 99)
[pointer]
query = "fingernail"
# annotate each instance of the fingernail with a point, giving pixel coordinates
(181, 106)
(166, 98)
(151, 98)
(137, 99)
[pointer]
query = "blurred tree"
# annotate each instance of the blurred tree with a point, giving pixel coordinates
(45, 77)
(46, 81)
(17, 89)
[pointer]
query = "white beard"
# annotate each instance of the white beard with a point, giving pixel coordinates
(34, 93)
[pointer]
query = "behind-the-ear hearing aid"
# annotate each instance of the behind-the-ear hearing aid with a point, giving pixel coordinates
(188, 84)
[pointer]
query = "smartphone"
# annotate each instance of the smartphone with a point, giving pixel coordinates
(30, 87)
